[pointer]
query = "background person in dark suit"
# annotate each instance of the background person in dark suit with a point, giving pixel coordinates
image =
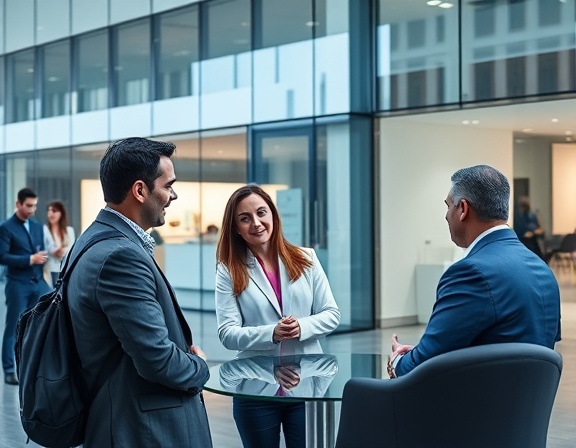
(124, 309)
(499, 292)
(22, 252)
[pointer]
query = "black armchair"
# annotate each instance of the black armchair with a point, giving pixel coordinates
(489, 396)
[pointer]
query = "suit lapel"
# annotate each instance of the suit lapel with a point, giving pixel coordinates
(183, 324)
(259, 278)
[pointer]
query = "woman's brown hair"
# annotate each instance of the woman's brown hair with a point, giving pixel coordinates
(63, 222)
(231, 249)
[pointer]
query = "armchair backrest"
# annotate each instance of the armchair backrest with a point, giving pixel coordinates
(498, 395)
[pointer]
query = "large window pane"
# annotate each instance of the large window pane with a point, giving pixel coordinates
(332, 61)
(344, 217)
(209, 168)
(2, 86)
(89, 15)
(55, 182)
(20, 83)
(178, 50)
(86, 188)
(55, 79)
(20, 172)
(511, 53)
(226, 68)
(416, 66)
(52, 20)
(91, 68)
(228, 27)
(19, 21)
(132, 63)
(283, 22)
(283, 75)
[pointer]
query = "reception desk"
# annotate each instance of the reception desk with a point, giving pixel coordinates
(191, 265)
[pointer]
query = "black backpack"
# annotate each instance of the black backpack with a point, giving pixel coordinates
(54, 398)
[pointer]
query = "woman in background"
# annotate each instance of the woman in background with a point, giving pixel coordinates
(272, 298)
(58, 238)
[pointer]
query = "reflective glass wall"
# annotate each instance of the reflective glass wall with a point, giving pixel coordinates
(517, 49)
(440, 53)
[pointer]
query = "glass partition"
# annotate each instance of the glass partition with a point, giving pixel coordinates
(283, 59)
(20, 86)
(418, 54)
(517, 49)
(178, 50)
(52, 20)
(209, 167)
(2, 96)
(332, 62)
(55, 61)
(86, 191)
(20, 172)
(55, 182)
(91, 71)
(131, 62)
(226, 67)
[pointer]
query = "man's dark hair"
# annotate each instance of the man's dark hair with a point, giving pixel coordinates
(26, 193)
(129, 160)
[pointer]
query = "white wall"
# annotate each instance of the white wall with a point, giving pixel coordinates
(416, 163)
(564, 187)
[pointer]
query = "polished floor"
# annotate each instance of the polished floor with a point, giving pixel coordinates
(562, 432)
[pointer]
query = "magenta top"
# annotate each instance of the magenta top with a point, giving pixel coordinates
(274, 280)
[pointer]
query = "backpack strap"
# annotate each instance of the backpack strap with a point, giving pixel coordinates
(110, 364)
(65, 271)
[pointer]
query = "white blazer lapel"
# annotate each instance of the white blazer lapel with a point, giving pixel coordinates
(261, 281)
(287, 304)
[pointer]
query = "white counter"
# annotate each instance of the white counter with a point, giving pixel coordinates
(191, 265)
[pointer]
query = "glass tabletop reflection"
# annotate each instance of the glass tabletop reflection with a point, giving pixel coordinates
(308, 377)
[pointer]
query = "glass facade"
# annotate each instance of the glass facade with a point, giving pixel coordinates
(131, 62)
(55, 79)
(20, 85)
(178, 50)
(91, 68)
(285, 94)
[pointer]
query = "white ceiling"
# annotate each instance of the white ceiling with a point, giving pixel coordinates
(553, 118)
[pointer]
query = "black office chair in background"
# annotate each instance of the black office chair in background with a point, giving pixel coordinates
(489, 396)
(565, 256)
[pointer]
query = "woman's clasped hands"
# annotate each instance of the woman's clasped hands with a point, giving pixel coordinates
(287, 328)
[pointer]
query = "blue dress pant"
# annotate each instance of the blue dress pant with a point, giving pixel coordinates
(20, 297)
(259, 422)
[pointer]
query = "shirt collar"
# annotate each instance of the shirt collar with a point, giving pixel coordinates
(482, 235)
(147, 241)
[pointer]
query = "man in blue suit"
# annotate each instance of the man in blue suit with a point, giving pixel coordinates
(499, 292)
(22, 251)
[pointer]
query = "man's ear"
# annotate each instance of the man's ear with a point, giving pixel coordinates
(464, 209)
(139, 191)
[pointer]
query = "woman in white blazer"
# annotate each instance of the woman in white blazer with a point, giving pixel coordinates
(58, 238)
(271, 298)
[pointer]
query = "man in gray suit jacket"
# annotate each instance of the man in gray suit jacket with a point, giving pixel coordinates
(123, 309)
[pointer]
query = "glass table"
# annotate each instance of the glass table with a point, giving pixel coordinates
(320, 383)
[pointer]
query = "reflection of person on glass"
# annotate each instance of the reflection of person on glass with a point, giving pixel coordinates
(271, 298)
(298, 376)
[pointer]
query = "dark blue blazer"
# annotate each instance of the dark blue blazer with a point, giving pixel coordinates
(16, 246)
(500, 292)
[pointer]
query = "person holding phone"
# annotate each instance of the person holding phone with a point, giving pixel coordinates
(272, 298)
(22, 252)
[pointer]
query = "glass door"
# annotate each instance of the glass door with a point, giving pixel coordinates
(320, 176)
(282, 166)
